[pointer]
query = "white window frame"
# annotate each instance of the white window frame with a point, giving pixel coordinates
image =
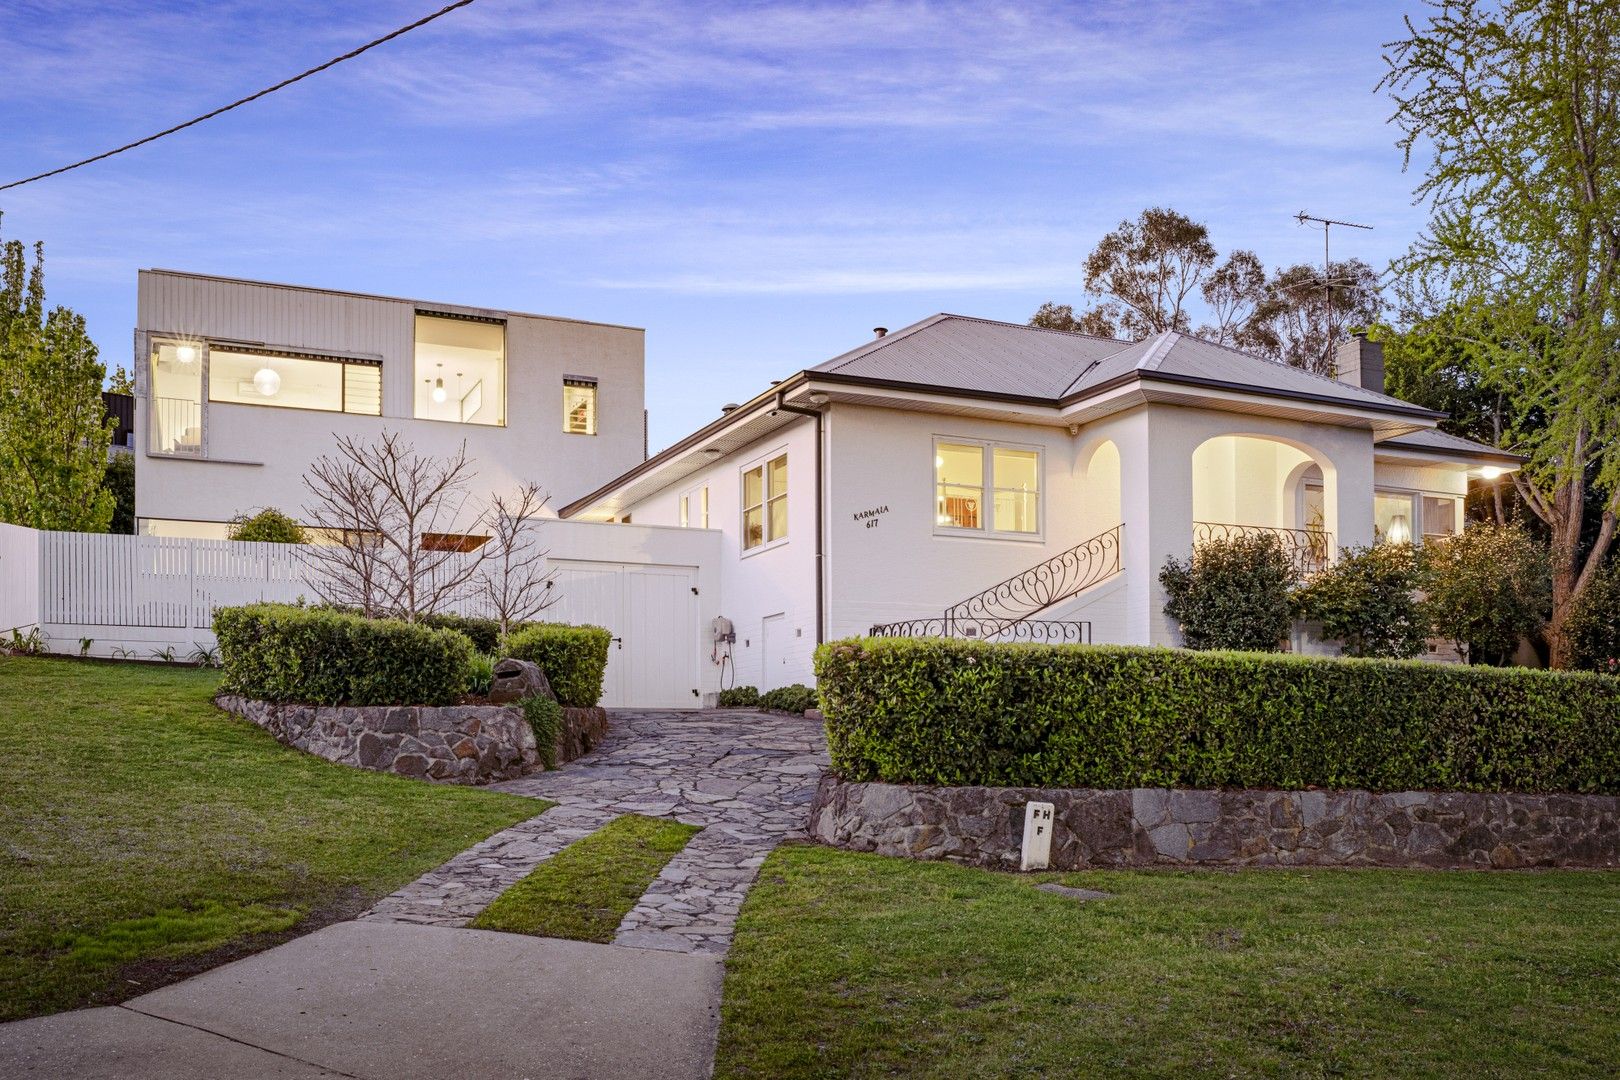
(987, 511)
(762, 463)
(1415, 515)
(694, 505)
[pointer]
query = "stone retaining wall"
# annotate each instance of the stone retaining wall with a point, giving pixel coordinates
(458, 744)
(983, 826)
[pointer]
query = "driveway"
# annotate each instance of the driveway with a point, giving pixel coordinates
(407, 991)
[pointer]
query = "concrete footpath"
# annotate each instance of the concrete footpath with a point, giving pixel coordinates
(394, 1001)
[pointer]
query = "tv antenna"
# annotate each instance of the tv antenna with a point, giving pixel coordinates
(1327, 281)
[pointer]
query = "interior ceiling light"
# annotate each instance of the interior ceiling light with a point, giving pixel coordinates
(186, 354)
(438, 389)
(266, 382)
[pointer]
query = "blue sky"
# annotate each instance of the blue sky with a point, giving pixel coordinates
(756, 185)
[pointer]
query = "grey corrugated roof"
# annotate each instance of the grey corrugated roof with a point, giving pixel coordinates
(976, 355)
(1433, 439)
(981, 356)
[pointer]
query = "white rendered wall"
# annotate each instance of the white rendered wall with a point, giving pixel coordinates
(257, 455)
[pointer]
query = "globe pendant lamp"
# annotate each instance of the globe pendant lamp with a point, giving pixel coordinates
(266, 381)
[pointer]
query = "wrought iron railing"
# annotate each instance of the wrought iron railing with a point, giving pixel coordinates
(1310, 550)
(1042, 631)
(1056, 579)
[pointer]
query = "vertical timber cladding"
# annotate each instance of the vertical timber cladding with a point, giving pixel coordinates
(652, 613)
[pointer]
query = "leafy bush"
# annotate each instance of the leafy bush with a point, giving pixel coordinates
(1232, 594)
(738, 697)
(574, 659)
(317, 656)
(485, 634)
(545, 718)
(789, 699)
(1487, 588)
(480, 674)
(1368, 601)
(269, 526)
(960, 712)
(1592, 627)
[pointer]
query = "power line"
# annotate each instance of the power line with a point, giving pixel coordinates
(447, 9)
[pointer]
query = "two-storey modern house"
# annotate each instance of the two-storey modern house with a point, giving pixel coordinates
(243, 384)
(988, 479)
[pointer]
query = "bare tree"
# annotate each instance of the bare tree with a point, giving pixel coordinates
(399, 541)
(514, 581)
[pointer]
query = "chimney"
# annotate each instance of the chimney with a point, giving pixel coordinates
(881, 331)
(1361, 363)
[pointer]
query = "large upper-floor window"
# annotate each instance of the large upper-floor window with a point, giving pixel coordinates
(986, 488)
(764, 503)
(290, 381)
(460, 369)
(174, 387)
(579, 406)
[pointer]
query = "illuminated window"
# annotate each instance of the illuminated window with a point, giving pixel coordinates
(964, 472)
(695, 508)
(452, 542)
(1439, 516)
(1392, 518)
(287, 381)
(764, 500)
(460, 369)
(579, 406)
(175, 421)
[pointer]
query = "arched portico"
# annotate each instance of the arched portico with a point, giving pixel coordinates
(1245, 484)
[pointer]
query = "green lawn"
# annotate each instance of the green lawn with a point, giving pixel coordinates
(585, 890)
(145, 833)
(857, 965)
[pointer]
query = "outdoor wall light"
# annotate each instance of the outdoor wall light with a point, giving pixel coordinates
(1489, 472)
(186, 354)
(266, 382)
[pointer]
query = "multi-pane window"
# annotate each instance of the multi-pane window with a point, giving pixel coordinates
(964, 472)
(764, 502)
(460, 369)
(579, 406)
(695, 508)
(289, 381)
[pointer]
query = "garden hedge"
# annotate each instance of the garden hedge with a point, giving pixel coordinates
(969, 713)
(318, 656)
(574, 659)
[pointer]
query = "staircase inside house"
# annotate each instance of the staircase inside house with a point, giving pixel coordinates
(1005, 611)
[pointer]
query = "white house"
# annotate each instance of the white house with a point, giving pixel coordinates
(991, 479)
(242, 384)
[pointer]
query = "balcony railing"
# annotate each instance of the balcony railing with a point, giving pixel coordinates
(1309, 550)
(176, 426)
(1040, 631)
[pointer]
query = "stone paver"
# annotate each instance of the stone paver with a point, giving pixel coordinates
(747, 777)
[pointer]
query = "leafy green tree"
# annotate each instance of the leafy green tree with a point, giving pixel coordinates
(1486, 590)
(1232, 594)
(1515, 107)
(121, 381)
(1594, 624)
(1368, 601)
(120, 481)
(54, 430)
(269, 526)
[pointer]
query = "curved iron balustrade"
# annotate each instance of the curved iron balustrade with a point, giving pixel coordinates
(1013, 601)
(1043, 631)
(1310, 550)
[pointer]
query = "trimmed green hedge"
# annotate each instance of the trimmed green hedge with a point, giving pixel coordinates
(738, 697)
(789, 699)
(574, 659)
(959, 713)
(317, 656)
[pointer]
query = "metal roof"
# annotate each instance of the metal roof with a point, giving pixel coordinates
(1435, 441)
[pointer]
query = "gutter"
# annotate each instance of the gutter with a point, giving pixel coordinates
(821, 507)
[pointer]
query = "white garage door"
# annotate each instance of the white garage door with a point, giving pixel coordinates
(652, 613)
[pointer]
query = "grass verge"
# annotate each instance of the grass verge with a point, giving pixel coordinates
(585, 890)
(146, 835)
(856, 965)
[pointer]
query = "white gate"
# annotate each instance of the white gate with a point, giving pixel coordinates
(652, 613)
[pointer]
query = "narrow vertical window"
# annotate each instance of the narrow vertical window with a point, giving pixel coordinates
(959, 485)
(579, 406)
(1017, 482)
(753, 503)
(703, 507)
(176, 390)
(686, 511)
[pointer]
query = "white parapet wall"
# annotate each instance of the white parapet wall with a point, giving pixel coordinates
(656, 589)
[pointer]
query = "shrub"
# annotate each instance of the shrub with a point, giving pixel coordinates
(960, 712)
(317, 656)
(1487, 588)
(789, 699)
(480, 674)
(485, 634)
(268, 526)
(1368, 602)
(545, 718)
(1232, 594)
(1592, 627)
(738, 697)
(574, 659)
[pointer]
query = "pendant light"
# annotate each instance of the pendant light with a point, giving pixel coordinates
(439, 394)
(266, 381)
